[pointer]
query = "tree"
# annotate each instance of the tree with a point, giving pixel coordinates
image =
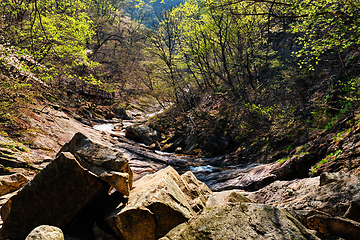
(326, 25)
(221, 49)
(54, 33)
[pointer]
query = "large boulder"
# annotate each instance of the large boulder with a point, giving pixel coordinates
(250, 178)
(335, 194)
(158, 203)
(53, 197)
(241, 221)
(45, 232)
(143, 134)
(104, 161)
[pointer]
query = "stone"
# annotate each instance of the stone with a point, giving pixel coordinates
(45, 232)
(121, 113)
(230, 196)
(336, 226)
(143, 134)
(241, 221)
(254, 177)
(333, 198)
(157, 204)
(251, 178)
(142, 168)
(107, 162)
(11, 183)
(196, 192)
(279, 192)
(53, 197)
(327, 177)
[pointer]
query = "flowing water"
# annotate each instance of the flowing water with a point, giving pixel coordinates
(105, 127)
(208, 170)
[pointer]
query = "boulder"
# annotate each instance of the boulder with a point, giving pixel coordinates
(335, 226)
(250, 178)
(104, 161)
(11, 183)
(158, 203)
(335, 197)
(241, 221)
(45, 232)
(327, 177)
(195, 191)
(121, 113)
(143, 134)
(53, 197)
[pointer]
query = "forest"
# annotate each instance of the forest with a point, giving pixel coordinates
(275, 71)
(180, 119)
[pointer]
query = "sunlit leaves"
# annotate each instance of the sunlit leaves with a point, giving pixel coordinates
(326, 25)
(223, 39)
(55, 33)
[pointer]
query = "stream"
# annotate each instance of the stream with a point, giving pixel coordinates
(211, 171)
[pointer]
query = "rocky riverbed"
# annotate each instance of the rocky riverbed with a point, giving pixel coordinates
(95, 184)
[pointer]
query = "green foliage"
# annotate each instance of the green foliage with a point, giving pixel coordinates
(14, 94)
(325, 25)
(282, 160)
(337, 137)
(263, 111)
(330, 157)
(351, 89)
(301, 153)
(53, 33)
(288, 147)
(219, 46)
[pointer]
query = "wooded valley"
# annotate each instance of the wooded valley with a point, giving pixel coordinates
(257, 99)
(279, 68)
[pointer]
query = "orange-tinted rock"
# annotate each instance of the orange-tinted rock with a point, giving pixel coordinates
(157, 203)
